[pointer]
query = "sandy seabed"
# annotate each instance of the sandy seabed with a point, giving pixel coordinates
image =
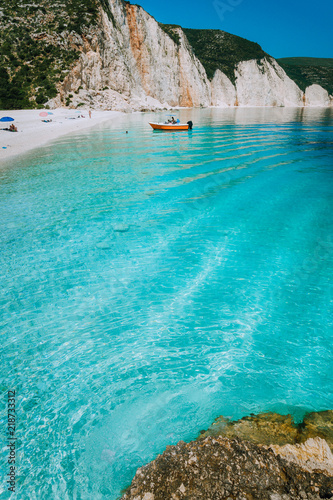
(33, 132)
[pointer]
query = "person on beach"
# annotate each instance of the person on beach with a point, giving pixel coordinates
(13, 128)
(89, 113)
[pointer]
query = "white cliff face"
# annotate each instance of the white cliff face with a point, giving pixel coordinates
(129, 63)
(223, 91)
(315, 95)
(265, 84)
(132, 63)
(193, 84)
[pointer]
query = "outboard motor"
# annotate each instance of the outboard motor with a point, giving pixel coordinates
(190, 125)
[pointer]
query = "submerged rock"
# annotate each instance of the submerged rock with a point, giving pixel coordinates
(265, 428)
(224, 469)
(318, 424)
(121, 228)
(106, 244)
(273, 428)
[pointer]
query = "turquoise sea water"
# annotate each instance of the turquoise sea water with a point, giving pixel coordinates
(153, 281)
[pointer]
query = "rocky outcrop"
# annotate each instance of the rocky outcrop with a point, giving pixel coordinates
(314, 455)
(223, 91)
(258, 457)
(225, 469)
(265, 83)
(315, 95)
(307, 71)
(128, 62)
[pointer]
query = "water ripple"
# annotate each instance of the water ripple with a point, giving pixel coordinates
(151, 282)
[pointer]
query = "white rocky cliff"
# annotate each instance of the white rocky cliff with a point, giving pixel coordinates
(128, 62)
(265, 84)
(315, 95)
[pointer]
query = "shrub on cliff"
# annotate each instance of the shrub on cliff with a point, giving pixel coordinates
(36, 47)
(218, 49)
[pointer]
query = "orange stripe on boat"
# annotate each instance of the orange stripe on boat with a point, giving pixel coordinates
(168, 126)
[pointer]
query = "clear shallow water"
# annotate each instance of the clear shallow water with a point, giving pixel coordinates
(152, 281)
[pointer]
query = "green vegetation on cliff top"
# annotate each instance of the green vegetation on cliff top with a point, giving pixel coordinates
(217, 49)
(306, 71)
(171, 30)
(220, 50)
(307, 61)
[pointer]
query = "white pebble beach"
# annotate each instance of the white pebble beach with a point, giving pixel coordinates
(33, 132)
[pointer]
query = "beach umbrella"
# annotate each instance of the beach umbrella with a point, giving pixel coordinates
(6, 119)
(43, 113)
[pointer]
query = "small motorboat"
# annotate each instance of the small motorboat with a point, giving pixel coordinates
(171, 126)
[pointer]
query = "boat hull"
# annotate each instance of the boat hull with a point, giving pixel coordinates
(169, 126)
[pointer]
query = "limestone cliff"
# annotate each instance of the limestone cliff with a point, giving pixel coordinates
(307, 71)
(132, 63)
(315, 95)
(109, 54)
(265, 83)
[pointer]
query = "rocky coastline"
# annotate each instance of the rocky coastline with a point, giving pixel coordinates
(259, 457)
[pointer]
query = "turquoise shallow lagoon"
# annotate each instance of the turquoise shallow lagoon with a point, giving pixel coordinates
(153, 281)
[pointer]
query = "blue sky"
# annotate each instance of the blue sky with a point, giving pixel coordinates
(284, 28)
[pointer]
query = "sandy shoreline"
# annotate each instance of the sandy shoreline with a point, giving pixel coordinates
(33, 132)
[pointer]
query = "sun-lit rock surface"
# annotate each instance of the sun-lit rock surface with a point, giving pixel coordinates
(223, 91)
(112, 55)
(315, 95)
(224, 469)
(313, 455)
(265, 84)
(131, 63)
(129, 58)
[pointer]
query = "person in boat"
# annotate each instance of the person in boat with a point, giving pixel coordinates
(172, 121)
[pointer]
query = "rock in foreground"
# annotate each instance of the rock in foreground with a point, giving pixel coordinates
(226, 469)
